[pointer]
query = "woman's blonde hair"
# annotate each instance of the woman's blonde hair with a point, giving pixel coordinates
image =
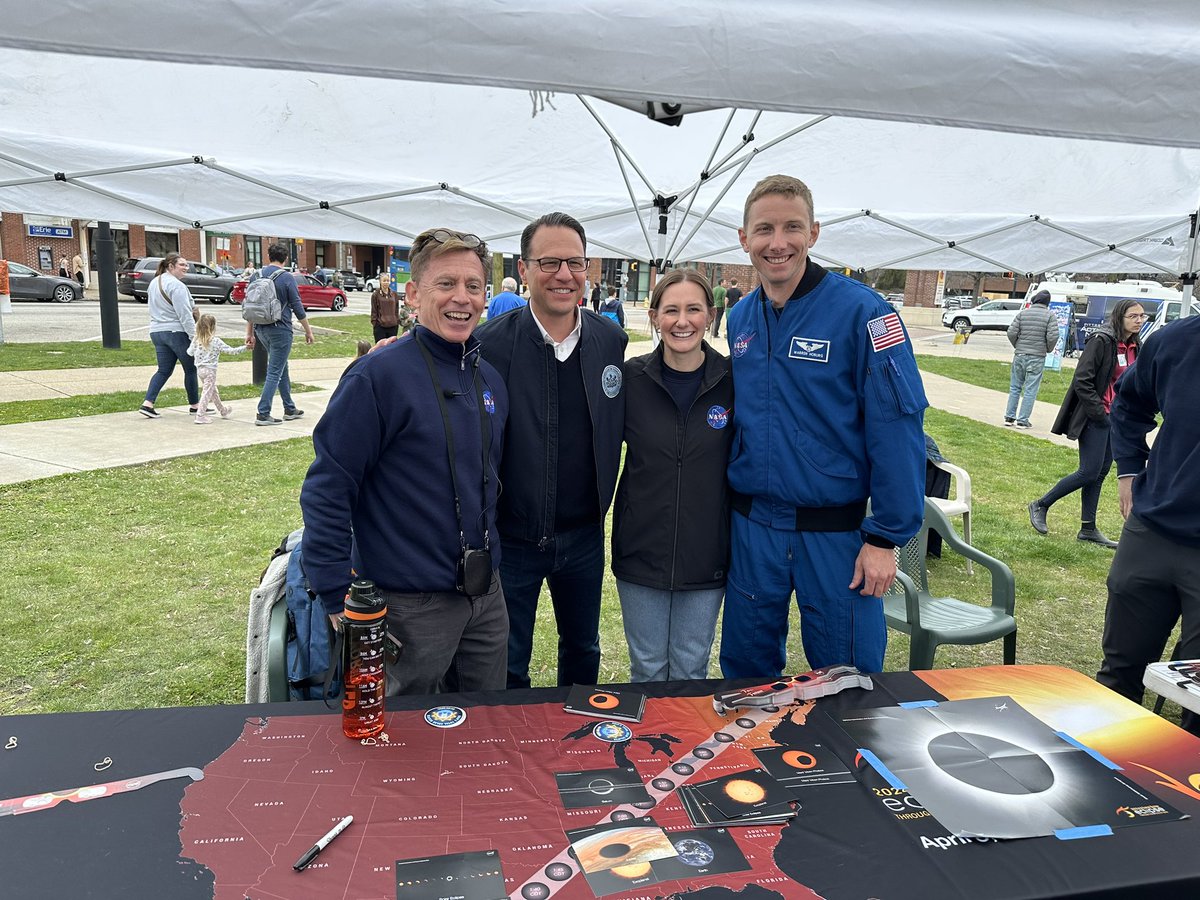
(206, 327)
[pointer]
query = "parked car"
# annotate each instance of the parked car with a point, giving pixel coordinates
(313, 294)
(896, 301)
(351, 280)
(204, 282)
(962, 301)
(25, 283)
(994, 315)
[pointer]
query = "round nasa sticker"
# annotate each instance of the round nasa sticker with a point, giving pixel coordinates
(610, 381)
(613, 732)
(718, 417)
(489, 402)
(741, 343)
(445, 716)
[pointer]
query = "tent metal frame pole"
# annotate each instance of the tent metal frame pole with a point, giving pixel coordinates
(726, 164)
(712, 206)
(1104, 246)
(617, 145)
(720, 140)
(1188, 276)
(633, 200)
(47, 175)
(366, 198)
(754, 151)
(82, 185)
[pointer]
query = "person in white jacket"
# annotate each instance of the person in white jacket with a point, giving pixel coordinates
(206, 348)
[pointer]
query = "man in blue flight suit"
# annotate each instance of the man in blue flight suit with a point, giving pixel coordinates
(829, 415)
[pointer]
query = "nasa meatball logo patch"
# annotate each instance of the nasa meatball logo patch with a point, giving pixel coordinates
(718, 417)
(489, 402)
(742, 343)
(610, 381)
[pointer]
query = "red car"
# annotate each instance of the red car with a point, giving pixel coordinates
(313, 294)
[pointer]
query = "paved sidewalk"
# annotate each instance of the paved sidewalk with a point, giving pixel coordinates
(44, 449)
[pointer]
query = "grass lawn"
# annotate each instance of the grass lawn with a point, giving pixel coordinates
(128, 587)
(993, 374)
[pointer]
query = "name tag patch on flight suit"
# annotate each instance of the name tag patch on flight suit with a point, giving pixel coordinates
(811, 349)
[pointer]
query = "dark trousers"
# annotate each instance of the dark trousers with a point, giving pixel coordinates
(572, 565)
(1095, 459)
(449, 642)
(383, 331)
(716, 328)
(1152, 584)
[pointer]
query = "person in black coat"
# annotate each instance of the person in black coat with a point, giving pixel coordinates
(670, 542)
(1083, 417)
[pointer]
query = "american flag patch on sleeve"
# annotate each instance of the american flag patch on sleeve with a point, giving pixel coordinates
(886, 331)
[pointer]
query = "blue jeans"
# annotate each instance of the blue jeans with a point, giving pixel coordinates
(669, 633)
(838, 626)
(1095, 459)
(1024, 383)
(277, 339)
(572, 565)
(171, 347)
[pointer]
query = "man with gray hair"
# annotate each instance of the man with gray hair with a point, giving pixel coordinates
(508, 299)
(1033, 334)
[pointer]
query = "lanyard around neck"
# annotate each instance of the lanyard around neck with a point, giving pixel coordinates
(485, 432)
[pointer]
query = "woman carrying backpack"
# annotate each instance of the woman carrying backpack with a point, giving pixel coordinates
(172, 327)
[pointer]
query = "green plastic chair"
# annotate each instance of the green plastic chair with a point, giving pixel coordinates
(930, 620)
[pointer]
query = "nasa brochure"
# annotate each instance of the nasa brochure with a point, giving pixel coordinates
(605, 703)
(455, 876)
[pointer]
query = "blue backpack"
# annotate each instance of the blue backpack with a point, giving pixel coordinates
(310, 643)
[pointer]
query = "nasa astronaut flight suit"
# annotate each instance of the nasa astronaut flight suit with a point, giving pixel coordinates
(829, 413)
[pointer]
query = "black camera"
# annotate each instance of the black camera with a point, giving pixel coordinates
(475, 572)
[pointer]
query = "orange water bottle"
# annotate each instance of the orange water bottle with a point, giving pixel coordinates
(364, 629)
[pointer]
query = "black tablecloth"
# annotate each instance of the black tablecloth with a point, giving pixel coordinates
(849, 841)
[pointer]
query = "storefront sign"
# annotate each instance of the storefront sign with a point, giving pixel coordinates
(50, 231)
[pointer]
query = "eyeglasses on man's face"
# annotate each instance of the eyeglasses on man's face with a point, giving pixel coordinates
(1140, 315)
(551, 264)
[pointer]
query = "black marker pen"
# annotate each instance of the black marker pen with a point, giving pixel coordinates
(311, 853)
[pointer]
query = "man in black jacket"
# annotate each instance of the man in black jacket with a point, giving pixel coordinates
(562, 364)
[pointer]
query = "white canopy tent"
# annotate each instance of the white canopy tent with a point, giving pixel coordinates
(335, 136)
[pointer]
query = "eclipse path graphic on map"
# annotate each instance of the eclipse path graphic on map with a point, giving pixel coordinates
(489, 784)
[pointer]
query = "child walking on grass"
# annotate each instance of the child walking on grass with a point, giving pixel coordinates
(207, 348)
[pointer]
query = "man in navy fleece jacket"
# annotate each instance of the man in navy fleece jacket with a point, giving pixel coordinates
(1155, 575)
(404, 481)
